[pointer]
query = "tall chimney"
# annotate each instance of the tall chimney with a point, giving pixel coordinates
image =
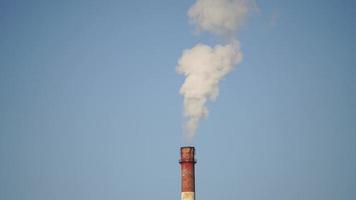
(187, 162)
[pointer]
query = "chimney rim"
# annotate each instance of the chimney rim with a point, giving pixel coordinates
(187, 147)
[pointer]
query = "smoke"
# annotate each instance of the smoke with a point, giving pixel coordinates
(221, 17)
(205, 66)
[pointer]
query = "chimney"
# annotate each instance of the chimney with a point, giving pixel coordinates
(187, 162)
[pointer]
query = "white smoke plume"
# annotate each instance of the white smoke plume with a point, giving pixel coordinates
(205, 66)
(222, 17)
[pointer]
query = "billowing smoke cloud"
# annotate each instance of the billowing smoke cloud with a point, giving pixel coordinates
(205, 66)
(222, 17)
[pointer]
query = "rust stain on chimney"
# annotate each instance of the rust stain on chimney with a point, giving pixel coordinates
(187, 163)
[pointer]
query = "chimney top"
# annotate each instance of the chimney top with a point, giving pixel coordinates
(187, 154)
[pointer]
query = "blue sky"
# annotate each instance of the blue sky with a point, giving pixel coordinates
(89, 103)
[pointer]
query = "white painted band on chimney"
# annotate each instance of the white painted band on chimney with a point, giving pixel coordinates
(188, 196)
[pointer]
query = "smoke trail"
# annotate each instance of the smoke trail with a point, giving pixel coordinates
(205, 66)
(222, 17)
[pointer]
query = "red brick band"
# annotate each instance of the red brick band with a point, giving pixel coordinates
(187, 169)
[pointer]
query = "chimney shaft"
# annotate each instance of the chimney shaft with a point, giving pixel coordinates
(187, 162)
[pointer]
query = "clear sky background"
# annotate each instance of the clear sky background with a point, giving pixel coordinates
(89, 103)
